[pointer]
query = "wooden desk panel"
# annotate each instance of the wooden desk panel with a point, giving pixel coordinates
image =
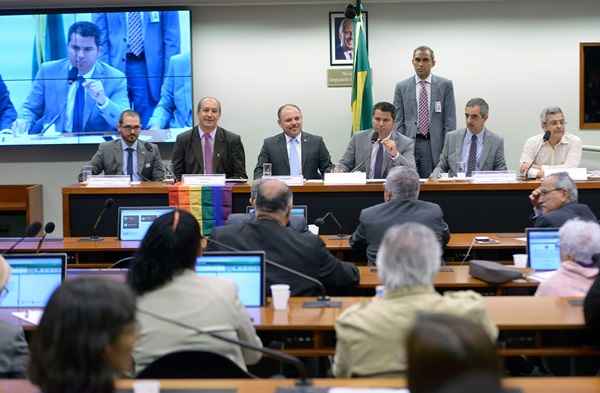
(20, 205)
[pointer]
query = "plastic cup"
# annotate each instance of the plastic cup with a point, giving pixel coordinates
(520, 260)
(280, 294)
(146, 386)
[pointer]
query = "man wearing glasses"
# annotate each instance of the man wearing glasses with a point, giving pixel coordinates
(554, 147)
(128, 156)
(555, 202)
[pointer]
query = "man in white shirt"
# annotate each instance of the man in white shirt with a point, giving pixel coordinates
(554, 147)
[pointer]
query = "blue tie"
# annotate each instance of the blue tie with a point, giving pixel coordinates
(295, 169)
(129, 151)
(79, 105)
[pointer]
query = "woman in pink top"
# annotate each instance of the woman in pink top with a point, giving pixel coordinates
(579, 250)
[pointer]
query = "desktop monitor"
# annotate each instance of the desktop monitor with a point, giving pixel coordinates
(246, 269)
(297, 210)
(134, 221)
(34, 277)
(543, 249)
(119, 275)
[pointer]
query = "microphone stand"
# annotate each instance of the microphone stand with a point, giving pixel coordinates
(321, 221)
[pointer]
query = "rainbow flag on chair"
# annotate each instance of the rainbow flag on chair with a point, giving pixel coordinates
(210, 205)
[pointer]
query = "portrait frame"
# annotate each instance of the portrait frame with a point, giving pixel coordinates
(336, 56)
(589, 85)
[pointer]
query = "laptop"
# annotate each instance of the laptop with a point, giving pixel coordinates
(134, 221)
(119, 275)
(33, 279)
(246, 269)
(297, 210)
(543, 249)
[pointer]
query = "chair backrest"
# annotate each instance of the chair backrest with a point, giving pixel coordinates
(192, 364)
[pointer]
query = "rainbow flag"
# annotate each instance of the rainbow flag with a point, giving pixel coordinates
(210, 205)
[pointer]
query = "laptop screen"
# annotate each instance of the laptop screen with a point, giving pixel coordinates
(135, 221)
(246, 269)
(119, 275)
(543, 249)
(33, 278)
(297, 210)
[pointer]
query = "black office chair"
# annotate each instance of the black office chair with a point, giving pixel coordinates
(193, 364)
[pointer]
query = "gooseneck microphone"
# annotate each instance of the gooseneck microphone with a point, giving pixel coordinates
(30, 231)
(321, 220)
(303, 379)
(48, 229)
(323, 301)
(545, 139)
(108, 203)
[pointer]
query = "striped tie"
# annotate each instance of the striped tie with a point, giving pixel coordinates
(135, 36)
(423, 121)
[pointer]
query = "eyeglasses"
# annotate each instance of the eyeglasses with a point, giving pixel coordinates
(131, 128)
(547, 191)
(557, 122)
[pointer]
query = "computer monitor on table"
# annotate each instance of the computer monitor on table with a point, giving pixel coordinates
(543, 249)
(297, 211)
(134, 221)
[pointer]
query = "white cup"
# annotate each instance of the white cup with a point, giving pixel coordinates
(146, 386)
(280, 294)
(520, 260)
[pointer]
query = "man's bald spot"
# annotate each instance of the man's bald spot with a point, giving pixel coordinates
(273, 196)
(272, 188)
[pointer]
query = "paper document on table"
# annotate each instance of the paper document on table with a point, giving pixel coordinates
(541, 276)
(31, 316)
(367, 390)
(521, 239)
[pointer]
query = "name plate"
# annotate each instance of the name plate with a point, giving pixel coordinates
(574, 173)
(334, 178)
(108, 181)
(289, 180)
(203, 180)
(494, 177)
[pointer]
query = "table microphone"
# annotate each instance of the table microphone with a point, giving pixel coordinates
(30, 231)
(108, 203)
(323, 301)
(48, 229)
(303, 380)
(545, 138)
(321, 220)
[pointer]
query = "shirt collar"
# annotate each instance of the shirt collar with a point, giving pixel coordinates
(428, 79)
(88, 74)
(289, 138)
(479, 136)
(212, 133)
(125, 145)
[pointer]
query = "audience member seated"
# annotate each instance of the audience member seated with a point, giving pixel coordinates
(371, 335)
(555, 202)
(442, 347)
(13, 347)
(296, 222)
(163, 275)
(401, 205)
(579, 243)
(85, 337)
(303, 252)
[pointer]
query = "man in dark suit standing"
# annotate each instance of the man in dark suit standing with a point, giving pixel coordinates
(303, 252)
(208, 148)
(294, 152)
(555, 202)
(401, 205)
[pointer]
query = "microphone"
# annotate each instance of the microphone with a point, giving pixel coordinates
(350, 11)
(321, 220)
(303, 380)
(30, 231)
(545, 139)
(108, 203)
(323, 301)
(48, 229)
(374, 137)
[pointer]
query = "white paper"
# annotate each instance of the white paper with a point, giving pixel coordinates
(574, 173)
(31, 316)
(203, 180)
(541, 276)
(108, 181)
(288, 180)
(334, 178)
(367, 390)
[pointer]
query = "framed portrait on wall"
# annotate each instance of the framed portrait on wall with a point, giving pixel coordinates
(341, 38)
(589, 85)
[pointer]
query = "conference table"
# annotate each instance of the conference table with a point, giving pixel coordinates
(467, 206)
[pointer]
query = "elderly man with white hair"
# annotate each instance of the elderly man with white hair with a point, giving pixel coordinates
(371, 335)
(13, 347)
(579, 243)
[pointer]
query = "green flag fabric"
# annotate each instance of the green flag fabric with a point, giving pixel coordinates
(362, 86)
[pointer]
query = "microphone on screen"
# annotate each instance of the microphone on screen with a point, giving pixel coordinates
(108, 203)
(374, 137)
(323, 301)
(30, 231)
(303, 379)
(48, 229)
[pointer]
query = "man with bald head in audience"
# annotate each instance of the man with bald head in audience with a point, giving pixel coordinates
(303, 252)
(208, 148)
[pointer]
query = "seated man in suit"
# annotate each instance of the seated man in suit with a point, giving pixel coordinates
(303, 252)
(371, 336)
(294, 152)
(478, 148)
(128, 156)
(76, 94)
(553, 147)
(378, 150)
(7, 110)
(401, 205)
(555, 202)
(208, 148)
(297, 223)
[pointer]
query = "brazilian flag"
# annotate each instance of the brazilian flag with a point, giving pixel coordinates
(49, 41)
(362, 86)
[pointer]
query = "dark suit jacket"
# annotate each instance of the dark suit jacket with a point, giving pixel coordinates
(7, 110)
(297, 223)
(376, 220)
(228, 154)
(556, 218)
(304, 252)
(14, 351)
(591, 307)
(315, 156)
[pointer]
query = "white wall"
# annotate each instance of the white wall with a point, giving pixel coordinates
(518, 55)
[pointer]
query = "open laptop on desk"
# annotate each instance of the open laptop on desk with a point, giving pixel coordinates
(33, 279)
(119, 275)
(246, 269)
(134, 221)
(543, 249)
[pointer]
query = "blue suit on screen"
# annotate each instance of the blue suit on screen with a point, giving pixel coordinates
(7, 110)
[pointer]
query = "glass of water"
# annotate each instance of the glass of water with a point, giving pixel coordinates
(267, 169)
(461, 170)
(86, 172)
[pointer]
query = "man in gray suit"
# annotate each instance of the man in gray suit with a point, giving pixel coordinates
(294, 152)
(378, 150)
(401, 206)
(425, 110)
(478, 148)
(128, 156)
